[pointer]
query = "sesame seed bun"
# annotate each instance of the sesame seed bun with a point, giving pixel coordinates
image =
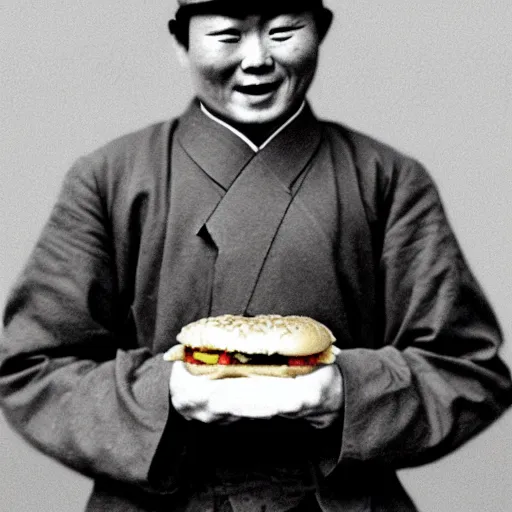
(262, 334)
(291, 336)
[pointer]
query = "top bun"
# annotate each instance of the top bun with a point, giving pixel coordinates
(262, 334)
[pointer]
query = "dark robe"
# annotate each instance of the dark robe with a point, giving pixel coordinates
(182, 220)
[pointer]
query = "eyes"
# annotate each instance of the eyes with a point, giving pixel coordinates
(281, 34)
(277, 34)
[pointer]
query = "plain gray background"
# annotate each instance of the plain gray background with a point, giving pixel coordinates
(432, 78)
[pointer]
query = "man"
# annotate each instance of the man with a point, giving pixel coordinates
(248, 204)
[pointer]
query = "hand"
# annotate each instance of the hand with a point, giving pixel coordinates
(316, 397)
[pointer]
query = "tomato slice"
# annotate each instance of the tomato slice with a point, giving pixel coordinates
(312, 360)
(303, 361)
(297, 361)
(225, 359)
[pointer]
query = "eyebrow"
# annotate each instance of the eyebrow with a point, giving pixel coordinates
(224, 31)
(287, 26)
(284, 25)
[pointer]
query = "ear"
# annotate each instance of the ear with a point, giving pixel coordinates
(181, 52)
(324, 23)
(179, 41)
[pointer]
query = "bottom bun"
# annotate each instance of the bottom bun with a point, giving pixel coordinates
(216, 371)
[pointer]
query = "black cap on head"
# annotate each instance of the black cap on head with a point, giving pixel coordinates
(188, 8)
(260, 4)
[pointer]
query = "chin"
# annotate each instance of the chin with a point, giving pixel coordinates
(258, 116)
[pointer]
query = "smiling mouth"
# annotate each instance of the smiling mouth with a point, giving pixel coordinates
(257, 89)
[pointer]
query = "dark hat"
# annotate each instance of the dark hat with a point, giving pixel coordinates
(248, 6)
(188, 8)
(257, 4)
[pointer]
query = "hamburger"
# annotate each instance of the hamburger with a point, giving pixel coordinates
(229, 346)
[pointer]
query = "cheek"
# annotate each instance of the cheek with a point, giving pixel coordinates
(299, 61)
(302, 65)
(209, 66)
(215, 77)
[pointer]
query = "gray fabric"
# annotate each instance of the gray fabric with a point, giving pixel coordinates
(126, 259)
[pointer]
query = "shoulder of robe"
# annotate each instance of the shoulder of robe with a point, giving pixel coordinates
(128, 147)
(380, 168)
(134, 156)
(366, 151)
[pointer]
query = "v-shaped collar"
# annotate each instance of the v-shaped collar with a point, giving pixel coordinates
(223, 155)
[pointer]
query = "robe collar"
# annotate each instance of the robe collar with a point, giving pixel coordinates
(221, 154)
(251, 144)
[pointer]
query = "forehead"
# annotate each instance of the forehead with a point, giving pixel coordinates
(242, 9)
(250, 18)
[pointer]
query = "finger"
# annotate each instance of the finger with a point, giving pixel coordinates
(203, 415)
(227, 420)
(209, 417)
(189, 394)
(322, 421)
(242, 401)
(258, 397)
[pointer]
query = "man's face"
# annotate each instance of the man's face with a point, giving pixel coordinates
(255, 69)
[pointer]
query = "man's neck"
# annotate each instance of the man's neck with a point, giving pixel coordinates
(256, 135)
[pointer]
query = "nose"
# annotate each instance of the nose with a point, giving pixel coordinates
(256, 57)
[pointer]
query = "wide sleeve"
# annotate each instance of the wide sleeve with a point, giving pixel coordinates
(71, 382)
(436, 379)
